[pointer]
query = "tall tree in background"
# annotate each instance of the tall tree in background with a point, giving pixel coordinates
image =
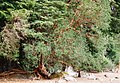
(113, 51)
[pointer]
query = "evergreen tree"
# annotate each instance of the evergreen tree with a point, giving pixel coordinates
(113, 51)
(73, 32)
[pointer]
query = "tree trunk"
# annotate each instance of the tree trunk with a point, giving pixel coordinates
(41, 71)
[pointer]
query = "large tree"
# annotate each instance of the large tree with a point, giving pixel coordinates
(64, 32)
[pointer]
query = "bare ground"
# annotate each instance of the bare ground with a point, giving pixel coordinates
(105, 77)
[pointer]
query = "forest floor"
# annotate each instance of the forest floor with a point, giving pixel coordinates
(104, 77)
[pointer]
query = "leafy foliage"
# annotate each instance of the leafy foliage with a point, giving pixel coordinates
(76, 33)
(113, 51)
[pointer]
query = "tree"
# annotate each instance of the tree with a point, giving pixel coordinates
(64, 32)
(113, 51)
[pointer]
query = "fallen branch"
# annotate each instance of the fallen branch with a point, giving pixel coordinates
(13, 71)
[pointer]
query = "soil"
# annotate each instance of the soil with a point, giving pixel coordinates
(104, 77)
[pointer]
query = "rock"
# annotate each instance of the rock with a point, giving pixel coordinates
(106, 76)
(116, 78)
(71, 72)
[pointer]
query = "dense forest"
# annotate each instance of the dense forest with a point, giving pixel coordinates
(57, 33)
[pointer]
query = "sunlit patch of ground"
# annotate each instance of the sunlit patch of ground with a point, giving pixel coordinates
(105, 77)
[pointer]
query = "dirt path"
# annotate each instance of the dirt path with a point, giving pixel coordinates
(106, 77)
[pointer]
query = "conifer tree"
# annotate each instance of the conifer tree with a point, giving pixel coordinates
(65, 32)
